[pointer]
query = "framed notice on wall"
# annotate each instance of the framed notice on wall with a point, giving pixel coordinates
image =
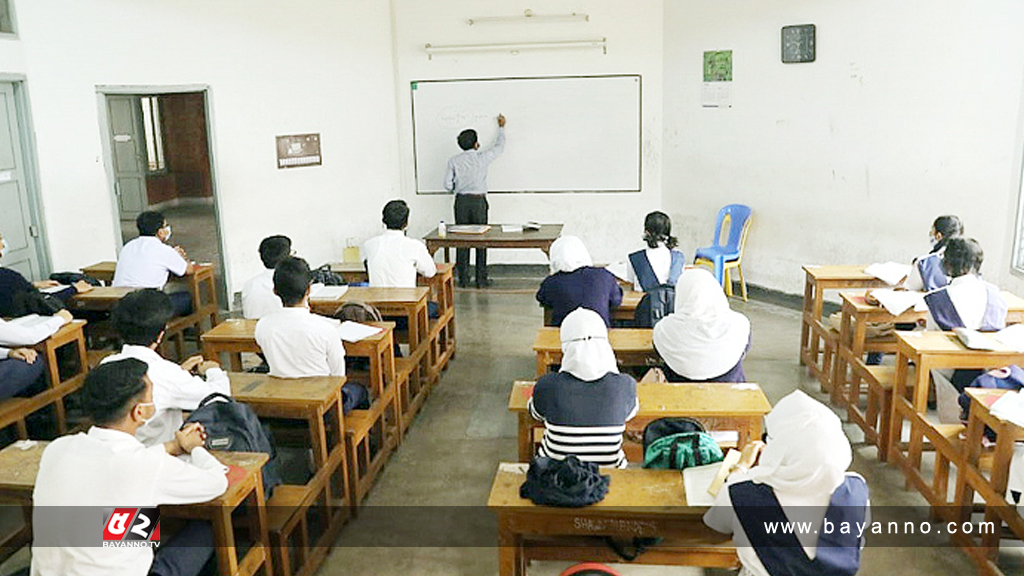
(298, 150)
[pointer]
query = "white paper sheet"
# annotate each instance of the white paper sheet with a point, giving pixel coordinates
(321, 292)
(892, 273)
(511, 228)
(976, 340)
(354, 331)
(620, 269)
(897, 302)
(1012, 337)
(1010, 407)
(54, 289)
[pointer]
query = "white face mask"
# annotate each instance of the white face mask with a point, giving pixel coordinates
(168, 237)
(933, 240)
(147, 420)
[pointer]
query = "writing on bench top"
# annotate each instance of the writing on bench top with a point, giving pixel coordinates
(633, 527)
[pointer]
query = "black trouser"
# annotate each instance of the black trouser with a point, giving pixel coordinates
(186, 553)
(470, 209)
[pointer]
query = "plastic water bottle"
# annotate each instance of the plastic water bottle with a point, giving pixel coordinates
(442, 230)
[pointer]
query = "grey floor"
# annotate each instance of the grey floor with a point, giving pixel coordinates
(443, 471)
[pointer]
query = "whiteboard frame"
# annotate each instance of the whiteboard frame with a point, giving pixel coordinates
(640, 133)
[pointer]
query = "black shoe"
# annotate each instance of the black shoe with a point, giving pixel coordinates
(485, 283)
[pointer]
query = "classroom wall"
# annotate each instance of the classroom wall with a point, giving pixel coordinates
(609, 223)
(272, 69)
(911, 110)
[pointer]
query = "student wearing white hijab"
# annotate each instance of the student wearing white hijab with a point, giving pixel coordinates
(585, 406)
(575, 282)
(801, 477)
(703, 340)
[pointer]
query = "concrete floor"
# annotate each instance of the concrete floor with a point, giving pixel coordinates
(443, 472)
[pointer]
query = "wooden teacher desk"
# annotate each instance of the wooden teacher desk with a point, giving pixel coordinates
(494, 238)
(632, 346)
(19, 468)
(718, 406)
(639, 503)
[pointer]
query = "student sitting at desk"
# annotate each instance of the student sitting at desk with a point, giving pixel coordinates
(140, 319)
(298, 343)
(967, 302)
(660, 263)
(258, 298)
(703, 340)
(19, 297)
(585, 406)
(393, 259)
(927, 272)
(21, 370)
(148, 261)
(575, 282)
(801, 477)
(108, 467)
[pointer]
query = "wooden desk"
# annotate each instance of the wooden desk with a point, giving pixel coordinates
(19, 468)
(410, 303)
(102, 271)
(639, 503)
(100, 298)
(817, 280)
(494, 238)
(632, 346)
(929, 350)
(62, 378)
(441, 284)
(969, 479)
(718, 406)
(316, 400)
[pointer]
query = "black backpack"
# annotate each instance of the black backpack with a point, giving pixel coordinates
(656, 303)
(323, 275)
(233, 427)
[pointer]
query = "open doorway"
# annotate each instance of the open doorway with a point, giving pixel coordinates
(160, 160)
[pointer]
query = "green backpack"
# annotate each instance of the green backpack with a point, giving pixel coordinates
(678, 443)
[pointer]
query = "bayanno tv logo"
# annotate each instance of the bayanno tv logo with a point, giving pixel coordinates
(132, 528)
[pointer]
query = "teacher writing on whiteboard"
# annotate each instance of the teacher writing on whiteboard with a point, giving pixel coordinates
(466, 177)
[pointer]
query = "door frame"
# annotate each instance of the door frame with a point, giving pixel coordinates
(102, 91)
(30, 169)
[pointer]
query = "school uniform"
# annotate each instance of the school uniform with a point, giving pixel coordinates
(653, 267)
(17, 377)
(174, 390)
(394, 260)
(105, 468)
(466, 177)
(146, 262)
(801, 476)
(927, 272)
(16, 290)
(258, 298)
(702, 340)
(575, 283)
(586, 405)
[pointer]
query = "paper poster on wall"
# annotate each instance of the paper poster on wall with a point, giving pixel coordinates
(298, 150)
(716, 91)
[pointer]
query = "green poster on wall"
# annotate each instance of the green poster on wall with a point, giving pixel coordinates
(718, 66)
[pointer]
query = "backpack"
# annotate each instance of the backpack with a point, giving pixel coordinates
(233, 427)
(678, 443)
(323, 275)
(659, 300)
(357, 311)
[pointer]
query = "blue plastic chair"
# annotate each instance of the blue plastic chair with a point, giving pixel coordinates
(721, 257)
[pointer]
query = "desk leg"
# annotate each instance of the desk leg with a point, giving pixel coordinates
(898, 398)
(819, 302)
(920, 408)
(224, 539)
(805, 327)
(525, 436)
(964, 496)
(318, 431)
(510, 551)
(542, 364)
(1000, 475)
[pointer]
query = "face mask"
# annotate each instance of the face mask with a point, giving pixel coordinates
(933, 240)
(151, 416)
(168, 237)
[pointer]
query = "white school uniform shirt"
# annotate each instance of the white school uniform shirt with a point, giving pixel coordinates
(258, 298)
(298, 343)
(174, 390)
(969, 297)
(28, 332)
(109, 468)
(661, 262)
(393, 260)
(146, 262)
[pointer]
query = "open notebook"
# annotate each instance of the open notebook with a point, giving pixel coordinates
(702, 483)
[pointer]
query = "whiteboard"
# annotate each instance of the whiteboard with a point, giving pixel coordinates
(564, 134)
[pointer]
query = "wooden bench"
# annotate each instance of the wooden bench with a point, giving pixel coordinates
(644, 503)
(718, 406)
(874, 418)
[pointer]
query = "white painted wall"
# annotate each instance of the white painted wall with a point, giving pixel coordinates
(273, 68)
(609, 223)
(911, 110)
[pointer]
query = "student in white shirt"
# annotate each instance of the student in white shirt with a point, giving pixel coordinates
(21, 370)
(140, 318)
(147, 261)
(392, 259)
(258, 298)
(660, 263)
(298, 343)
(107, 467)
